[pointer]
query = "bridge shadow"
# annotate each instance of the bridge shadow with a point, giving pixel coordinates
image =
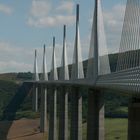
(9, 113)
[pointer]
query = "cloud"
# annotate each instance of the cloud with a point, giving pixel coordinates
(13, 66)
(66, 6)
(51, 21)
(113, 21)
(42, 14)
(40, 8)
(11, 59)
(6, 9)
(114, 18)
(20, 59)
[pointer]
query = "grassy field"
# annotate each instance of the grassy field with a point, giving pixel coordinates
(115, 129)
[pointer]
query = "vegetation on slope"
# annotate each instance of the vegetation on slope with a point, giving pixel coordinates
(115, 104)
(9, 85)
(7, 91)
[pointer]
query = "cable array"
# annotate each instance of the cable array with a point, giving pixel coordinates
(129, 52)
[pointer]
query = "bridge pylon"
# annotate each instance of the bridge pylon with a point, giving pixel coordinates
(53, 133)
(44, 104)
(76, 97)
(98, 61)
(98, 64)
(35, 87)
(63, 93)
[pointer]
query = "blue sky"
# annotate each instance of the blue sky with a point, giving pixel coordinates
(27, 25)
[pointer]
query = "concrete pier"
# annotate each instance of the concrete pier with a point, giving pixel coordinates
(63, 114)
(76, 115)
(95, 117)
(53, 135)
(134, 119)
(43, 117)
(35, 98)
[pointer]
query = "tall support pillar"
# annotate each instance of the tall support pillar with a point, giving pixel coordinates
(134, 119)
(35, 86)
(63, 114)
(35, 98)
(53, 115)
(44, 77)
(43, 117)
(95, 124)
(76, 115)
(63, 105)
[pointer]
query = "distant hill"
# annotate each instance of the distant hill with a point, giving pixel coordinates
(8, 76)
(21, 76)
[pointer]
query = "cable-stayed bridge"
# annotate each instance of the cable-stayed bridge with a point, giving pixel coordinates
(98, 77)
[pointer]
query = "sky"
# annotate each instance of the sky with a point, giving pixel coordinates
(26, 25)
